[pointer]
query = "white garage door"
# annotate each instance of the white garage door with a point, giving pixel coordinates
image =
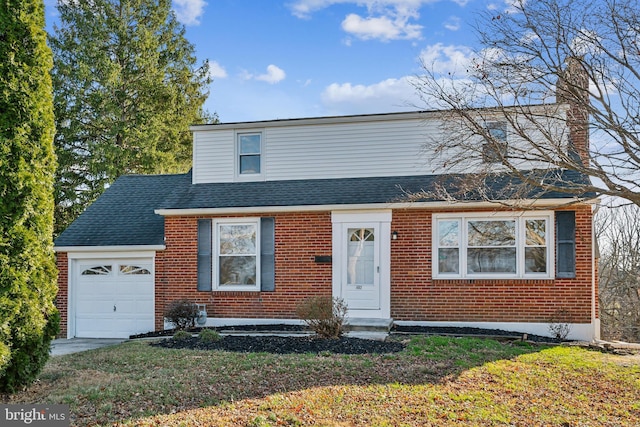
(114, 298)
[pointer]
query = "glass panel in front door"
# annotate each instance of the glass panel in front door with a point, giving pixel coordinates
(361, 263)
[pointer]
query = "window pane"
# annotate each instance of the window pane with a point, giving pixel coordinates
(491, 260)
(448, 260)
(360, 268)
(249, 164)
(492, 233)
(237, 270)
(536, 232)
(498, 130)
(448, 233)
(250, 144)
(237, 239)
(361, 234)
(535, 260)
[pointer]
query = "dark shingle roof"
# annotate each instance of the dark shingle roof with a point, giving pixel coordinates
(124, 214)
(343, 191)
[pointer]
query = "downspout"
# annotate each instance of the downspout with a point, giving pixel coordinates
(595, 256)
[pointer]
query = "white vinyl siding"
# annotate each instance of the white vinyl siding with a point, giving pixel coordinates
(214, 156)
(356, 146)
(342, 150)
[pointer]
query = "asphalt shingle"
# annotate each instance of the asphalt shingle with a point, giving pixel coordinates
(124, 214)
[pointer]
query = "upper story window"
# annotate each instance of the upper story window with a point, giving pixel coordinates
(492, 246)
(249, 153)
(495, 150)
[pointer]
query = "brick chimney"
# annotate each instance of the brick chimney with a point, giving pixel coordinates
(573, 88)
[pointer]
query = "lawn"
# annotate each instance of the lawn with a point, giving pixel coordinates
(434, 381)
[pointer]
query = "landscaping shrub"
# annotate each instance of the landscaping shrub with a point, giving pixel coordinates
(209, 335)
(323, 315)
(560, 324)
(181, 313)
(182, 335)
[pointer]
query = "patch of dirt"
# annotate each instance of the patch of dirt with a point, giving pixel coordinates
(285, 344)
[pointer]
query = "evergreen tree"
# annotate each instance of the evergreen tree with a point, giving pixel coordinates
(28, 317)
(126, 88)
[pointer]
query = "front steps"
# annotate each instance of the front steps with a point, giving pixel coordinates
(357, 324)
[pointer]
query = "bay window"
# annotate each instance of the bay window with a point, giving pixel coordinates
(492, 246)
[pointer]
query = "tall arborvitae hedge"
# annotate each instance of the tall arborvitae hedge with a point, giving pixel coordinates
(28, 317)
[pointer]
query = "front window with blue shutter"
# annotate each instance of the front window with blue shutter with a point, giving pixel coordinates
(241, 255)
(566, 244)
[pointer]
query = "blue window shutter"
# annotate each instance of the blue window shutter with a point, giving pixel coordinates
(267, 255)
(205, 259)
(566, 244)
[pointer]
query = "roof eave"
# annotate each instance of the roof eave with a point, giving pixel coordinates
(107, 248)
(538, 203)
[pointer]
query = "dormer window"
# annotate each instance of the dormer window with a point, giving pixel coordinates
(494, 150)
(249, 153)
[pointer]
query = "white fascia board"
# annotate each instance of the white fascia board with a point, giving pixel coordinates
(369, 206)
(122, 248)
(318, 120)
(360, 118)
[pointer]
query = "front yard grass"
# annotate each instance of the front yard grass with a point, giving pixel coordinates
(434, 381)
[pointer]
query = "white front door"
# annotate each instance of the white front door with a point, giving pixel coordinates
(361, 262)
(361, 277)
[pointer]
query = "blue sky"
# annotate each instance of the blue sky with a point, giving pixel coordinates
(307, 58)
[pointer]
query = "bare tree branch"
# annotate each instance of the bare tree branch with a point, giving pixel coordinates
(564, 75)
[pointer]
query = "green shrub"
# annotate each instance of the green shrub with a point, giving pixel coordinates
(182, 335)
(181, 313)
(323, 315)
(28, 316)
(209, 335)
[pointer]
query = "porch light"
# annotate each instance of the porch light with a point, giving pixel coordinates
(394, 235)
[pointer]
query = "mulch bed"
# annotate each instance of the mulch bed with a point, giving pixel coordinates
(285, 344)
(310, 344)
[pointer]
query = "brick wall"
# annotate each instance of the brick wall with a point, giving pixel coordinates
(299, 237)
(416, 296)
(62, 297)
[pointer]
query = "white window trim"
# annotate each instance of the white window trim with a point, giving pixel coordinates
(216, 254)
(520, 219)
(236, 158)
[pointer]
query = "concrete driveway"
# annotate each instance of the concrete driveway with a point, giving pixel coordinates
(76, 345)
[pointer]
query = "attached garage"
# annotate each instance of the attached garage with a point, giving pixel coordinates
(112, 298)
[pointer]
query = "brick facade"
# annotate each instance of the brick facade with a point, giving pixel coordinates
(62, 298)
(416, 296)
(301, 236)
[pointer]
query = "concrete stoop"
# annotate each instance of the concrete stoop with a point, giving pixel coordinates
(368, 325)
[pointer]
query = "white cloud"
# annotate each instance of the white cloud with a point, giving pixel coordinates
(452, 24)
(383, 28)
(217, 71)
(273, 75)
(447, 59)
(189, 12)
(514, 6)
(382, 97)
(385, 19)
